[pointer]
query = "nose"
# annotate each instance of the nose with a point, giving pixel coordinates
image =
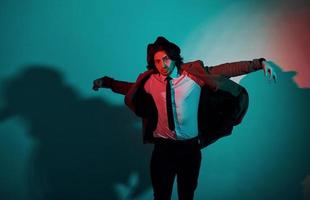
(164, 65)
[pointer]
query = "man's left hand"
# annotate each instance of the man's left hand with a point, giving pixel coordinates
(269, 71)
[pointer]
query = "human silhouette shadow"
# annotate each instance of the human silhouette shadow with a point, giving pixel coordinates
(270, 150)
(84, 147)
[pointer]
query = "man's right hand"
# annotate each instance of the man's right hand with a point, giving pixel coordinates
(104, 82)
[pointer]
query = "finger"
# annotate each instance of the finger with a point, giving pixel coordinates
(270, 73)
(95, 88)
(275, 78)
(265, 70)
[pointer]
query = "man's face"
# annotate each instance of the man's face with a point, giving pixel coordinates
(163, 63)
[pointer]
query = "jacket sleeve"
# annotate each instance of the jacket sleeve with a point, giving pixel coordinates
(236, 68)
(120, 87)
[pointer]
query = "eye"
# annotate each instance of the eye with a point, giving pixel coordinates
(166, 59)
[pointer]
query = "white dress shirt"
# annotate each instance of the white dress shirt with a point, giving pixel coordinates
(185, 99)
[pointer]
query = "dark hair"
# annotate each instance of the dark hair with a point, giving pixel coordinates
(162, 44)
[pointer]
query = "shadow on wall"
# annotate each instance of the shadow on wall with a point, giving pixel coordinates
(276, 137)
(84, 147)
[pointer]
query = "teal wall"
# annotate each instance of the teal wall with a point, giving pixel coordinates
(61, 140)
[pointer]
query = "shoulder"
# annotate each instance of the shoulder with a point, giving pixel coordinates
(144, 75)
(196, 63)
(196, 66)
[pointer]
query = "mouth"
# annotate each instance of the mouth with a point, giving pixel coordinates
(164, 72)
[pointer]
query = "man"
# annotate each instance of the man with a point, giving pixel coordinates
(184, 107)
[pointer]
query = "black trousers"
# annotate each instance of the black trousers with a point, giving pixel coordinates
(172, 159)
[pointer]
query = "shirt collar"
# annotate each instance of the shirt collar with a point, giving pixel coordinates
(174, 73)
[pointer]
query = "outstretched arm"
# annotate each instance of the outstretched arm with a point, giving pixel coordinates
(236, 68)
(243, 67)
(120, 87)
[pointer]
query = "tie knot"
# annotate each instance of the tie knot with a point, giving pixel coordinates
(168, 78)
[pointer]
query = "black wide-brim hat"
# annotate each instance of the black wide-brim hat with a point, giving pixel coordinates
(160, 42)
